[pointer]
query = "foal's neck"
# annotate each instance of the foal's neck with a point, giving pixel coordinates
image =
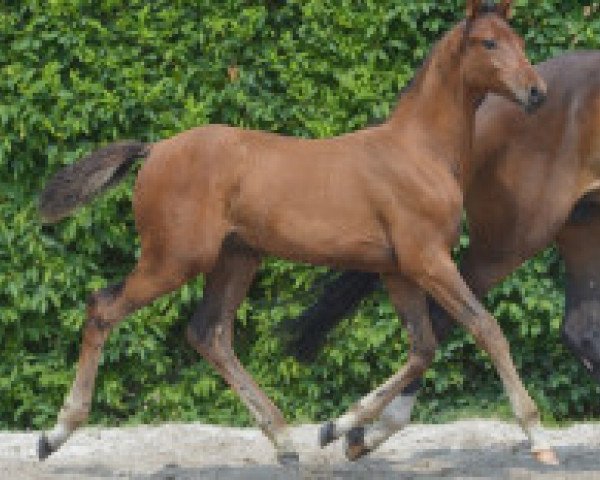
(443, 105)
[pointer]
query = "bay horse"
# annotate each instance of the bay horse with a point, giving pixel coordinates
(215, 199)
(534, 181)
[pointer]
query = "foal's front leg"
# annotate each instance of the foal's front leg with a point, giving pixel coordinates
(481, 273)
(442, 280)
(410, 303)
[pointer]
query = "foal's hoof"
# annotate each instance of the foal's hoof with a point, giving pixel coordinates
(355, 444)
(288, 459)
(547, 457)
(326, 434)
(44, 447)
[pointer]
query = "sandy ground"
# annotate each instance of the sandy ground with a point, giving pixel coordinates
(473, 449)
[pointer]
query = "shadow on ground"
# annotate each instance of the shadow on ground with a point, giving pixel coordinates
(485, 463)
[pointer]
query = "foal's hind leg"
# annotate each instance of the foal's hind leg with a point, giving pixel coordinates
(210, 333)
(106, 308)
(411, 305)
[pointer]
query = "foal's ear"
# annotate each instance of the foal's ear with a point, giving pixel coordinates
(473, 7)
(505, 8)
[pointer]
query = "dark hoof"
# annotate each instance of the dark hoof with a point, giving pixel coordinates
(355, 444)
(288, 459)
(44, 447)
(326, 434)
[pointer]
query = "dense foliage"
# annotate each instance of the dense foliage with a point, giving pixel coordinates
(75, 74)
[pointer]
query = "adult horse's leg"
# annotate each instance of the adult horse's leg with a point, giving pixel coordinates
(410, 303)
(210, 333)
(106, 308)
(578, 245)
(304, 336)
(443, 281)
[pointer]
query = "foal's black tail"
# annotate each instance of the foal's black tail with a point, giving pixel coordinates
(304, 336)
(80, 182)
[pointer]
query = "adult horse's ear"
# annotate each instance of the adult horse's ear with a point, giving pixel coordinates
(505, 8)
(473, 7)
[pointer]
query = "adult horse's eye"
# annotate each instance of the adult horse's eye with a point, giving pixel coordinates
(489, 44)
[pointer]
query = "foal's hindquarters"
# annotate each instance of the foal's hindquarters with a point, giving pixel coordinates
(183, 233)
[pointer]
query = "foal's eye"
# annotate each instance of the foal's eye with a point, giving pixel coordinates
(489, 44)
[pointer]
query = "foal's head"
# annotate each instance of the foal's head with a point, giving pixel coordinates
(493, 58)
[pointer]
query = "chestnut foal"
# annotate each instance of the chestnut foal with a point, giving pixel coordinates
(534, 180)
(387, 199)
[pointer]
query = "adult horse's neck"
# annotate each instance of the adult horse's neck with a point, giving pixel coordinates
(442, 104)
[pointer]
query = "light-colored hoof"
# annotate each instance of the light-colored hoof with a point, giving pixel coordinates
(547, 457)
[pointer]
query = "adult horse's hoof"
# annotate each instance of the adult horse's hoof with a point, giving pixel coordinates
(44, 447)
(288, 459)
(326, 434)
(354, 447)
(547, 457)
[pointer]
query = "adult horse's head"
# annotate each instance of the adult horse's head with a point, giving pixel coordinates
(493, 58)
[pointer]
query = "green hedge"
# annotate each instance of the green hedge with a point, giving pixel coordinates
(76, 74)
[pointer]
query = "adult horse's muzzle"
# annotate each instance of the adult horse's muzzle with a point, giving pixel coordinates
(591, 358)
(586, 347)
(535, 99)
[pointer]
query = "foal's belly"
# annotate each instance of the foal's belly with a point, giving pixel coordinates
(320, 240)
(358, 255)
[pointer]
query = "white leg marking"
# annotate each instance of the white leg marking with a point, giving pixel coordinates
(393, 419)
